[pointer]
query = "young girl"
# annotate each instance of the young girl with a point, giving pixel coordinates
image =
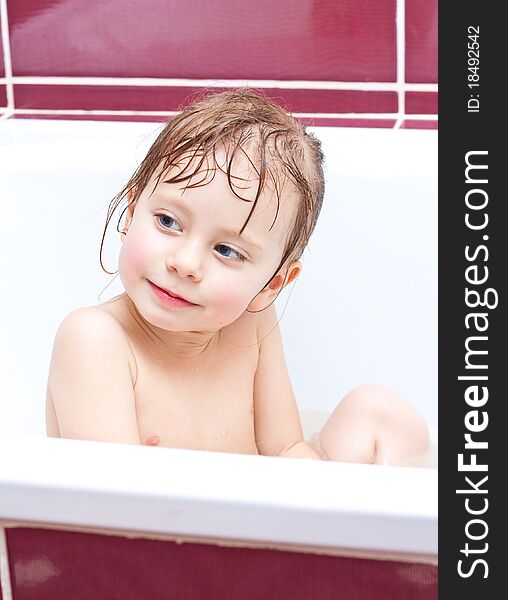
(190, 356)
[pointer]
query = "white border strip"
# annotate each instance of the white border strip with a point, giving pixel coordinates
(229, 83)
(7, 56)
(5, 576)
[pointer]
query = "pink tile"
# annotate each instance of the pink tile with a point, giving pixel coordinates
(170, 98)
(90, 117)
(421, 41)
(2, 65)
(417, 124)
(421, 103)
(328, 122)
(374, 123)
(341, 40)
(86, 97)
(335, 101)
(62, 565)
(3, 96)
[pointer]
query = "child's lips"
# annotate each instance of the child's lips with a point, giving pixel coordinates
(172, 294)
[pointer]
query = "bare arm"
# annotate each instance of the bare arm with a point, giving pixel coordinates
(91, 381)
(277, 422)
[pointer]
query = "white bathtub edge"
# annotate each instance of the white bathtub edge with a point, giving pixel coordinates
(217, 495)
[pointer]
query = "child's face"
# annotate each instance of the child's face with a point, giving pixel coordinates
(186, 242)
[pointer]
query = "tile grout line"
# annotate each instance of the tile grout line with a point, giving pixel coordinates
(5, 577)
(154, 113)
(400, 28)
(215, 83)
(9, 86)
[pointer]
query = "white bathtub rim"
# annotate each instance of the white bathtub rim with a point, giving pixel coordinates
(71, 482)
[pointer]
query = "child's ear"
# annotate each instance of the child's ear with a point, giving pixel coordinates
(129, 215)
(277, 283)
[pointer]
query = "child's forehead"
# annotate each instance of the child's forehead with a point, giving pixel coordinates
(236, 181)
(240, 166)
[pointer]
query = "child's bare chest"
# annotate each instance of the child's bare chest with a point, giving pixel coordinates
(202, 406)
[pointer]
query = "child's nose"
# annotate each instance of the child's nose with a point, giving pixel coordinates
(185, 259)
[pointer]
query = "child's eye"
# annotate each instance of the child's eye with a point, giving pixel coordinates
(223, 250)
(168, 221)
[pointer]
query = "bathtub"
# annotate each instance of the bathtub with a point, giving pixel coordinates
(112, 520)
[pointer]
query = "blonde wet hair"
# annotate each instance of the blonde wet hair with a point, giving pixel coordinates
(236, 119)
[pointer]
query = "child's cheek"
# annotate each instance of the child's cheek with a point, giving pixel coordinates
(133, 259)
(231, 300)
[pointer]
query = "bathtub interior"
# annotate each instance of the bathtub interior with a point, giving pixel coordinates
(364, 309)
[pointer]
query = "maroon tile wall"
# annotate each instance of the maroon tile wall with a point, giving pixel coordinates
(343, 42)
(288, 39)
(2, 66)
(421, 103)
(3, 97)
(87, 117)
(158, 99)
(383, 123)
(410, 124)
(62, 565)
(421, 41)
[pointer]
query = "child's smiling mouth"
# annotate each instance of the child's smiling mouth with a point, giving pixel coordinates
(169, 298)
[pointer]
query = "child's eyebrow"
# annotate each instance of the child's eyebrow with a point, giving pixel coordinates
(173, 198)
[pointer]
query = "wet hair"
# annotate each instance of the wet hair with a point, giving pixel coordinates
(236, 119)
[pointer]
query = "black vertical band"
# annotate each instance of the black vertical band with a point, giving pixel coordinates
(473, 260)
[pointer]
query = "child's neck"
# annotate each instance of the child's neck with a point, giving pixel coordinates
(184, 345)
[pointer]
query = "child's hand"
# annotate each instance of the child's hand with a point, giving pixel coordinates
(300, 450)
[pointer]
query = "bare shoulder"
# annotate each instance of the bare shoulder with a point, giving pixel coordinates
(92, 325)
(94, 319)
(90, 382)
